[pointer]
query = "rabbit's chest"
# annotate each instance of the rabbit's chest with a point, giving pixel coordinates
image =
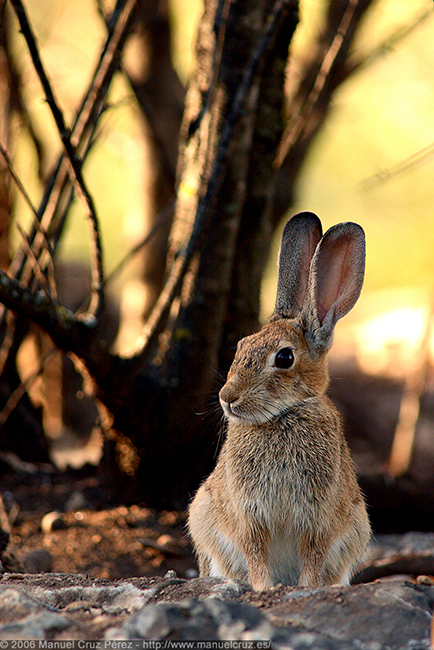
(282, 480)
(279, 491)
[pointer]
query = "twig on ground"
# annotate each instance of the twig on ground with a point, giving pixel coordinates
(414, 564)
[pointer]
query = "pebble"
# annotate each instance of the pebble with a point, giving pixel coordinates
(76, 501)
(52, 521)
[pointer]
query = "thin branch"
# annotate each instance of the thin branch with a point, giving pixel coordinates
(37, 222)
(297, 125)
(85, 122)
(358, 64)
(36, 266)
(23, 388)
(16, 179)
(86, 118)
(74, 163)
(162, 218)
(205, 204)
(81, 137)
(417, 158)
(90, 110)
(119, 28)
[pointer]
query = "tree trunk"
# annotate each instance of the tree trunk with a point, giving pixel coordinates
(176, 441)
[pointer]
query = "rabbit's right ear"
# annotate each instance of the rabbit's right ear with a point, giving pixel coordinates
(335, 282)
(299, 241)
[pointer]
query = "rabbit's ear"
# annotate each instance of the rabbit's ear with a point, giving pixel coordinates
(299, 240)
(335, 282)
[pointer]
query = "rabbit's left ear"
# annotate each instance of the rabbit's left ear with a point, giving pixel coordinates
(299, 241)
(335, 281)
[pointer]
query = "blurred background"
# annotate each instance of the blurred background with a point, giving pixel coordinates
(372, 163)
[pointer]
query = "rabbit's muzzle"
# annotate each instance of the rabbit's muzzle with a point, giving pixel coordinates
(229, 399)
(249, 403)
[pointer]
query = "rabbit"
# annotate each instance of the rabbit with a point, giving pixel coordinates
(283, 504)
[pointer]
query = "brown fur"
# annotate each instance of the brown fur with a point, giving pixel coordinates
(283, 503)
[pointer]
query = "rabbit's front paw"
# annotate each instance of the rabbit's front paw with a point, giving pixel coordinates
(260, 578)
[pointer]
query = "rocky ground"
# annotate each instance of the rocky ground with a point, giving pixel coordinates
(392, 615)
(75, 568)
(60, 522)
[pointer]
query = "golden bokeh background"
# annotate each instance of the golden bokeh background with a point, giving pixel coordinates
(381, 119)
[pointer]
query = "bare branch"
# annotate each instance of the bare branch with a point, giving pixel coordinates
(296, 126)
(23, 388)
(310, 102)
(74, 163)
(79, 142)
(37, 223)
(16, 179)
(357, 64)
(36, 266)
(416, 159)
(161, 219)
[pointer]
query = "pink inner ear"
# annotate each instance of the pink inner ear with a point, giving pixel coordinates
(333, 273)
(304, 269)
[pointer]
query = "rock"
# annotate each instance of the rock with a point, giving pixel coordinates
(37, 561)
(196, 621)
(385, 614)
(24, 618)
(52, 521)
(378, 615)
(227, 590)
(76, 501)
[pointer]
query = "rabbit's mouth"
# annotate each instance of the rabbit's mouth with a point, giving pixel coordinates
(233, 411)
(244, 413)
(228, 410)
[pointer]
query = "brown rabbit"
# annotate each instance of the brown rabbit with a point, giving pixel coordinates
(283, 503)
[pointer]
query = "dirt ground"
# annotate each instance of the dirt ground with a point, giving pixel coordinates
(85, 536)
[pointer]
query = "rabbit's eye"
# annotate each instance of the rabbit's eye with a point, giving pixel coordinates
(284, 358)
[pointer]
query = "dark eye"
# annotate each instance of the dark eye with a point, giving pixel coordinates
(284, 358)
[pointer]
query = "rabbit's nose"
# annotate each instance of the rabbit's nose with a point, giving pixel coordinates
(229, 393)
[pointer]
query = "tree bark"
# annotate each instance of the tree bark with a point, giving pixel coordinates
(188, 370)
